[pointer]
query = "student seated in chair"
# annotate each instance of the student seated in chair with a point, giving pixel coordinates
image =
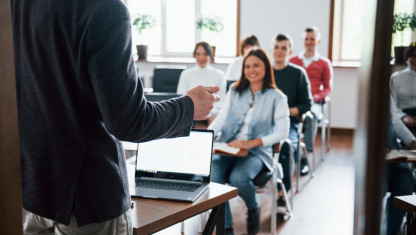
(293, 81)
(255, 116)
(400, 181)
(403, 90)
(320, 74)
(203, 74)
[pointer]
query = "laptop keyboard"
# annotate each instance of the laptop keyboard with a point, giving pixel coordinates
(166, 185)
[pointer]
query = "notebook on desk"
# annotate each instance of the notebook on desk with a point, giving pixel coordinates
(174, 168)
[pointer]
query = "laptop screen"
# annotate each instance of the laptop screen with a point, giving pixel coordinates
(182, 155)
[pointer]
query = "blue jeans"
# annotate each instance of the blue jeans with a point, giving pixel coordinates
(400, 183)
(310, 127)
(239, 172)
(284, 155)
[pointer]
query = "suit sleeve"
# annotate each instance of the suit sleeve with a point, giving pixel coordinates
(118, 92)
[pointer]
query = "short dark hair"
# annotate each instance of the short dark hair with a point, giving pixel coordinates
(283, 37)
(268, 80)
(206, 47)
(409, 51)
(315, 30)
(249, 40)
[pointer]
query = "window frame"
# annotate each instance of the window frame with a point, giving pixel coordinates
(336, 31)
(163, 49)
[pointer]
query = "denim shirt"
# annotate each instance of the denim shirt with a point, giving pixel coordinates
(270, 120)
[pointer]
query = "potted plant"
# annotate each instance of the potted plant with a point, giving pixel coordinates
(142, 22)
(212, 24)
(400, 23)
(412, 26)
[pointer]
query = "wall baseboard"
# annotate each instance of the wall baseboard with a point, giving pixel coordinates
(340, 131)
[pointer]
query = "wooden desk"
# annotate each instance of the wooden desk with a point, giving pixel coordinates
(408, 204)
(150, 215)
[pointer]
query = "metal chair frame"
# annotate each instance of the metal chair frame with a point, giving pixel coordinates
(326, 127)
(302, 148)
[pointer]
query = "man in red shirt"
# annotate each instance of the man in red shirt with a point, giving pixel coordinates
(320, 73)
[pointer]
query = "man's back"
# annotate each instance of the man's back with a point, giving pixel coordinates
(77, 94)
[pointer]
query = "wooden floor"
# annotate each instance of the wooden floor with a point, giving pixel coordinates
(324, 204)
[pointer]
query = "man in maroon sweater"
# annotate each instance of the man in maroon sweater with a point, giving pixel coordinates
(320, 73)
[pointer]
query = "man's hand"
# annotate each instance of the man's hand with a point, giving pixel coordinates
(294, 111)
(409, 121)
(203, 98)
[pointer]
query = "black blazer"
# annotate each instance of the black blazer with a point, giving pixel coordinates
(78, 94)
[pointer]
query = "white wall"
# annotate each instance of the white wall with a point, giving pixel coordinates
(344, 98)
(266, 18)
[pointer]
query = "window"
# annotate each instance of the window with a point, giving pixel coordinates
(348, 30)
(404, 6)
(175, 33)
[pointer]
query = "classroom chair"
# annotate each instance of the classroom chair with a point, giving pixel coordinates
(166, 78)
(274, 177)
(309, 119)
(326, 127)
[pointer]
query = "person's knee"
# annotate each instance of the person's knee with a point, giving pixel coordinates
(240, 180)
(218, 171)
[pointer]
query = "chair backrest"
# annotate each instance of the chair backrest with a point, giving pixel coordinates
(160, 96)
(166, 78)
(229, 82)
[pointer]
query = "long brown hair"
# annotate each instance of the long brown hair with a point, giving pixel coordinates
(268, 80)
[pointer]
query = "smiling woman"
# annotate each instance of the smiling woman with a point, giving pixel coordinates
(255, 115)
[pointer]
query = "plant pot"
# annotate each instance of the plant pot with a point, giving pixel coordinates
(399, 54)
(142, 51)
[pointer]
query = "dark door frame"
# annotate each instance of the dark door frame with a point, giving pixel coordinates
(10, 177)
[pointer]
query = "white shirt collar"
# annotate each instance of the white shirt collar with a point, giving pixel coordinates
(410, 70)
(204, 68)
(315, 57)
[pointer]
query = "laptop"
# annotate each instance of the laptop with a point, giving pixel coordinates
(174, 168)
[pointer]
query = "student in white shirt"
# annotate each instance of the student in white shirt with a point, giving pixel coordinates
(403, 90)
(203, 74)
(233, 72)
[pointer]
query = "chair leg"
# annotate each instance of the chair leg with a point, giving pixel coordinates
(305, 151)
(290, 175)
(289, 207)
(328, 139)
(274, 203)
(323, 134)
(297, 163)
